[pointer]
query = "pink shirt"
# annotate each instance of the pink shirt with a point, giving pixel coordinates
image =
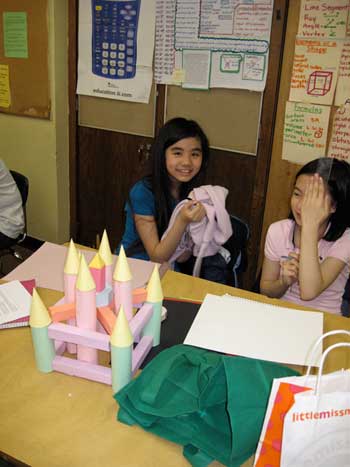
(279, 242)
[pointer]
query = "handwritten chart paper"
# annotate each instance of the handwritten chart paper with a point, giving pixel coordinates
(314, 73)
(196, 68)
(323, 20)
(235, 33)
(252, 329)
(14, 301)
(305, 132)
(5, 99)
(343, 86)
(339, 145)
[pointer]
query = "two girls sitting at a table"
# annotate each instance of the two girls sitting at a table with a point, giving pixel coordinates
(306, 256)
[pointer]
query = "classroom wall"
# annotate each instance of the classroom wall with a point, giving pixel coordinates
(282, 172)
(39, 148)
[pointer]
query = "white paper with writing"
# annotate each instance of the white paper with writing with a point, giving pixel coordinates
(236, 33)
(14, 301)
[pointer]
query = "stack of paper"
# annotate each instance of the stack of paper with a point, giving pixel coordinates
(253, 329)
(15, 299)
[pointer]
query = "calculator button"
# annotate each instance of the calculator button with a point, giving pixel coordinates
(129, 43)
(105, 45)
(121, 46)
(123, 12)
(121, 55)
(121, 64)
(127, 17)
(113, 46)
(129, 69)
(112, 71)
(104, 62)
(105, 71)
(121, 72)
(104, 54)
(129, 51)
(113, 54)
(132, 12)
(112, 63)
(131, 34)
(129, 60)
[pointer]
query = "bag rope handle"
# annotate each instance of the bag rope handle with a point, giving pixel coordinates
(324, 356)
(318, 342)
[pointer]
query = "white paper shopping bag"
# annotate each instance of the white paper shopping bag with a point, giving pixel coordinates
(316, 431)
(282, 397)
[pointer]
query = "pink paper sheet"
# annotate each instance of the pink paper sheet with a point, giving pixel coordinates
(47, 263)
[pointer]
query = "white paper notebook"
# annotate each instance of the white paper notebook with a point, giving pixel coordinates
(252, 329)
(14, 303)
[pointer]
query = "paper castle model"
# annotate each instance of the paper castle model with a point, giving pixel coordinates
(98, 310)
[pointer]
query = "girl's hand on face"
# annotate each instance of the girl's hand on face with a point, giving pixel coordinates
(192, 211)
(290, 269)
(317, 204)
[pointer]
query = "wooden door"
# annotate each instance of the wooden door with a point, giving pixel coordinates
(105, 163)
(108, 164)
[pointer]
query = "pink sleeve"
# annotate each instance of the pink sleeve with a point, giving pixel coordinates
(273, 239)
(341, 248)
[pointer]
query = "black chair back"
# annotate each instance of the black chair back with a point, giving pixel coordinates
(237, 246)
(22, 185)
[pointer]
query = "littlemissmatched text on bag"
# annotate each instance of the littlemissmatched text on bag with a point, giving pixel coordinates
(324, 414)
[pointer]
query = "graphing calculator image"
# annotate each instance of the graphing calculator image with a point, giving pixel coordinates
(114, 38)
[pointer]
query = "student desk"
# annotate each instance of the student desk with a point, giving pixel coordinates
(54, 420)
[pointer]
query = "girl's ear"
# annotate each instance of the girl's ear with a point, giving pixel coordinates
(333, 207)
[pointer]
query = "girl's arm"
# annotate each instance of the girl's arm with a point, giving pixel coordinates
(161, 250)
(277, 277)
(315, 277)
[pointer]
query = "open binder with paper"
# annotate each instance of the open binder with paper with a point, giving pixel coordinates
(15, 299)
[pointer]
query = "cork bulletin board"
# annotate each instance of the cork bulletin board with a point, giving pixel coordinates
(24, 71)
(230, 117)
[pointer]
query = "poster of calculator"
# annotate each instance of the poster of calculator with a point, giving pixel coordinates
(114, 38)
(116, 45)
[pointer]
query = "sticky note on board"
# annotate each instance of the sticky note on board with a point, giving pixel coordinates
(178, 76)
(15, 34)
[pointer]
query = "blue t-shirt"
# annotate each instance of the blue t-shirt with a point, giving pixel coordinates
(142, 203)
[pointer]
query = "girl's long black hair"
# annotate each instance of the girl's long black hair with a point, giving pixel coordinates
(336, 174)
(159, 181)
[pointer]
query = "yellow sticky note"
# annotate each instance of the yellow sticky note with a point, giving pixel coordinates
(5, 99)
(178, 76)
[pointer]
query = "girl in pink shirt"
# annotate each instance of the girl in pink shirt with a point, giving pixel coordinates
(307, 256)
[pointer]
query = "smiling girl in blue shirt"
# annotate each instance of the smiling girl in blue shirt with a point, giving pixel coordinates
(179, 160)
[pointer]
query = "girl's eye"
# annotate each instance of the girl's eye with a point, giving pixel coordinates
(196, 154)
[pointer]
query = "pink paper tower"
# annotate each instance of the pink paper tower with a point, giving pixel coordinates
(98, 272)
(122, 286)
(70, 273)
(106, 255)
(86, 309)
